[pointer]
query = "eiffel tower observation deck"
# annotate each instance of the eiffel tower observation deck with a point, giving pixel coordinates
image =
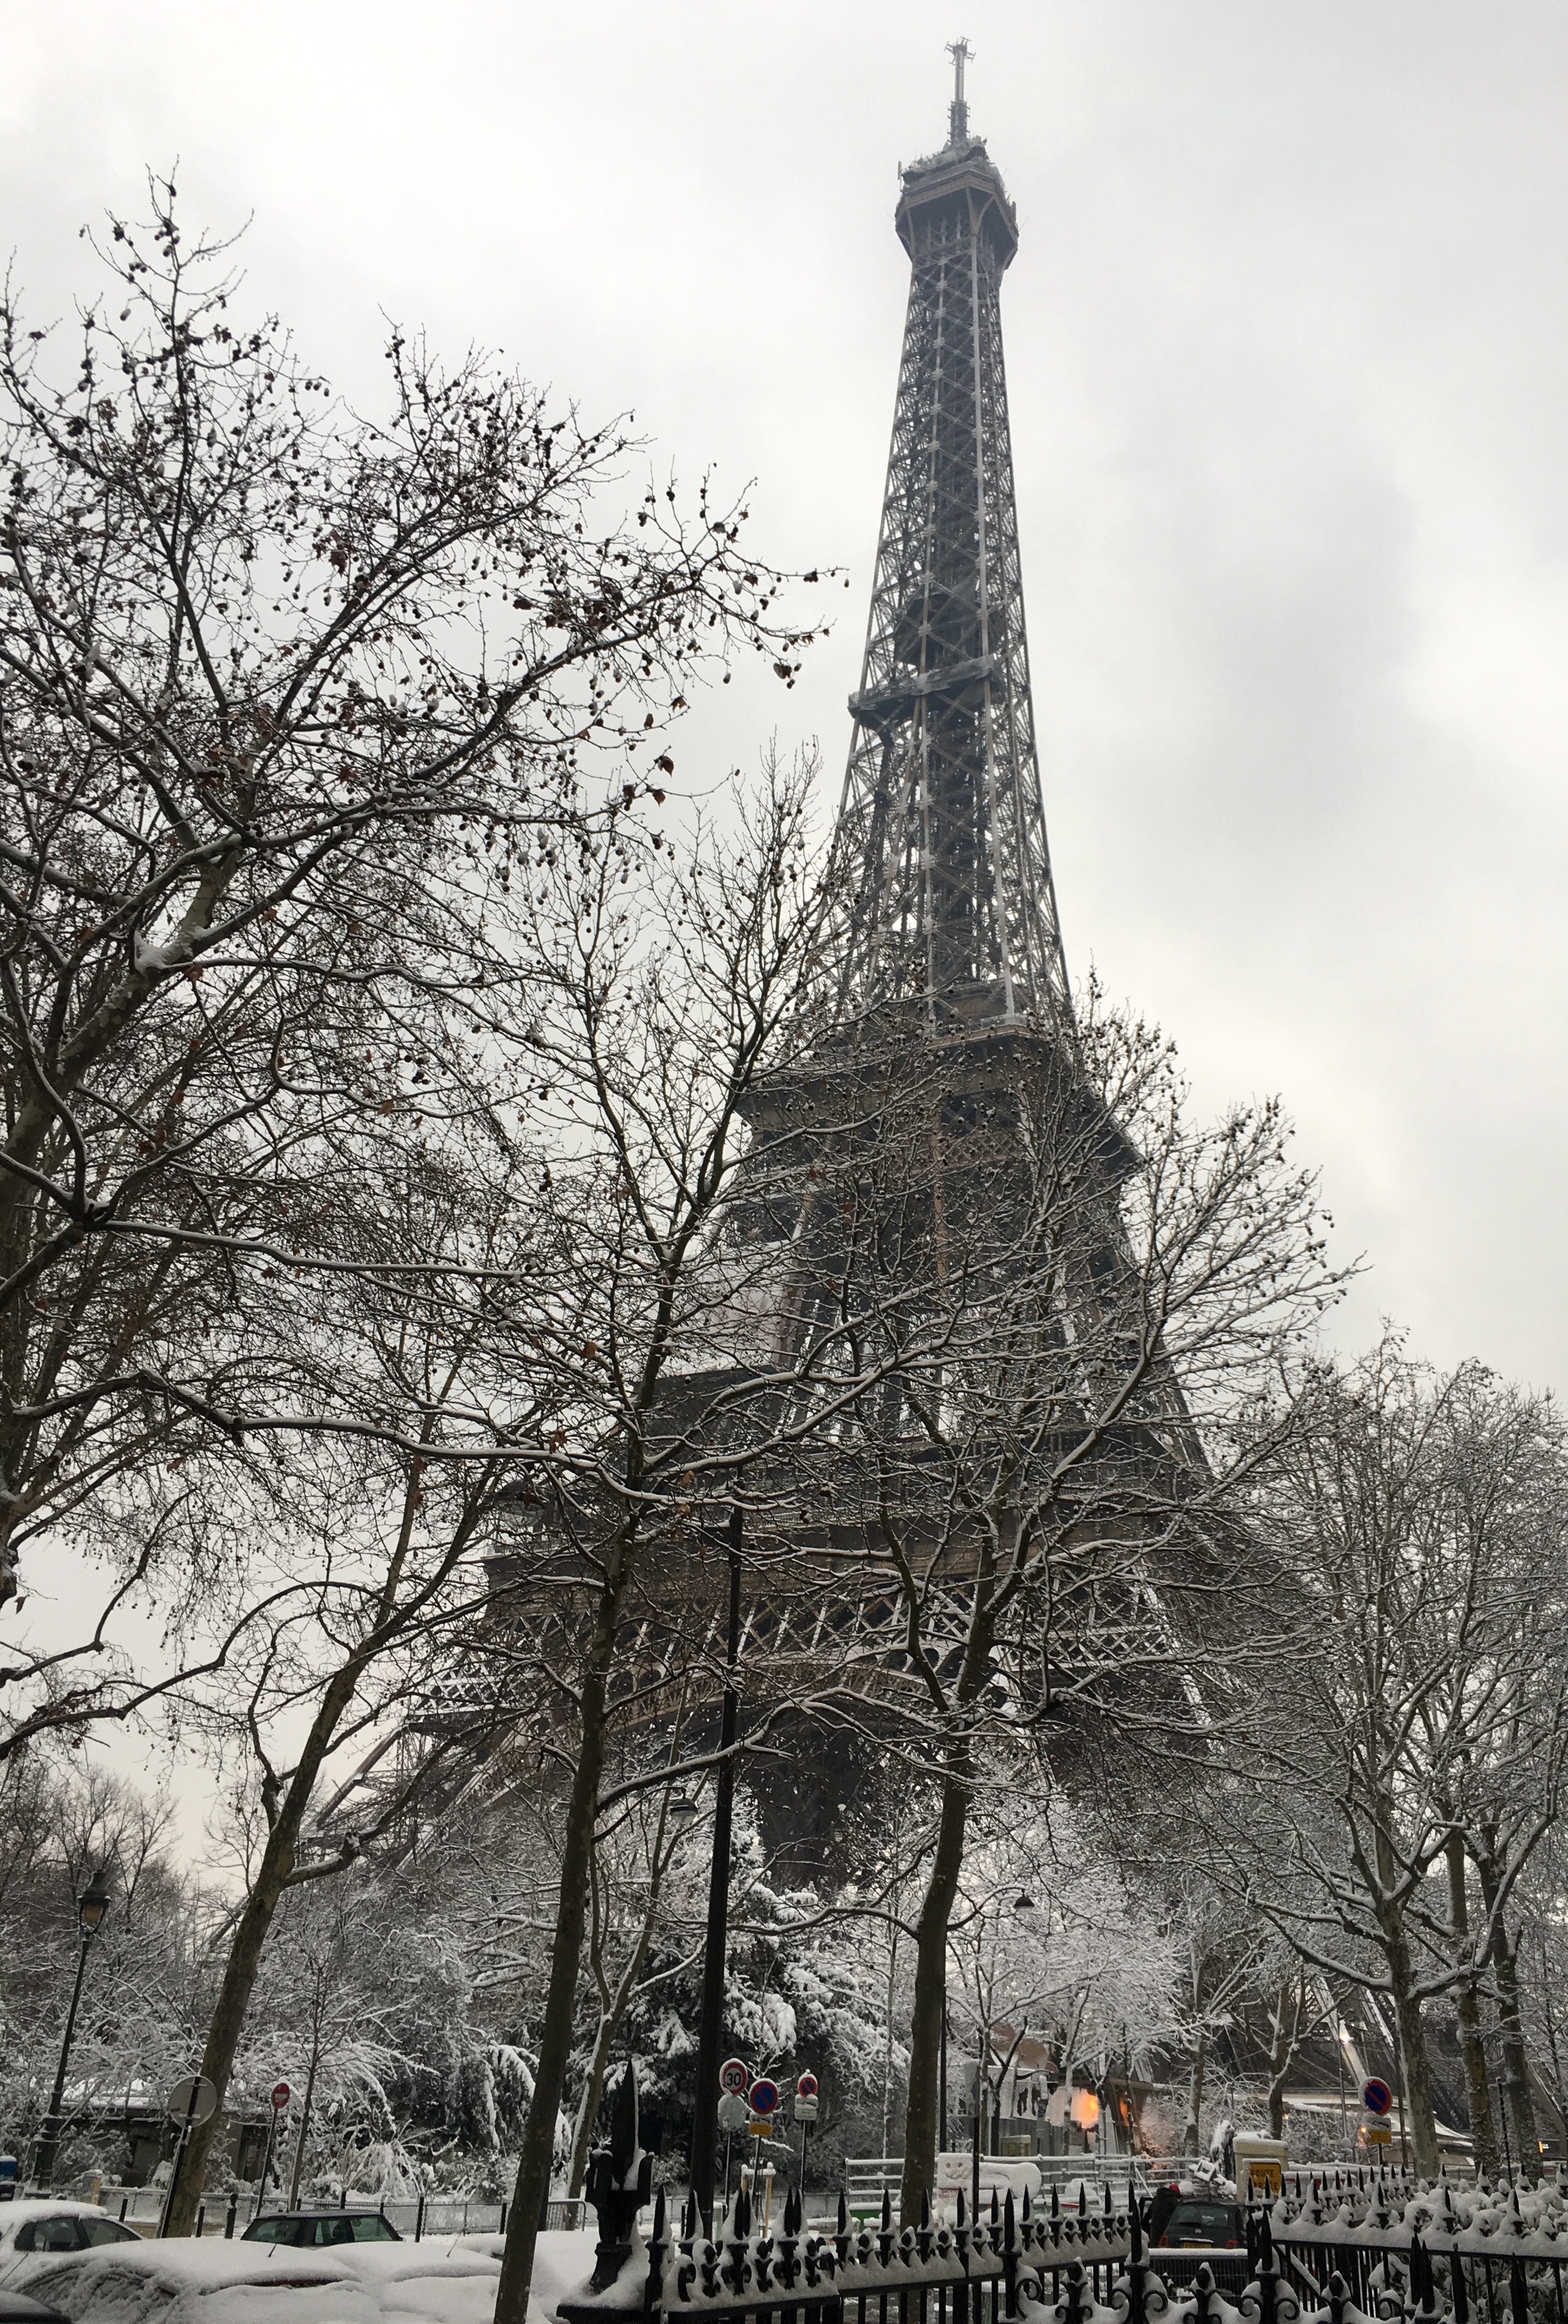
(945, 897)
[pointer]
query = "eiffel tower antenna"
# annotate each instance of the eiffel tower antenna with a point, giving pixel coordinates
(942, 865)
(958, 112)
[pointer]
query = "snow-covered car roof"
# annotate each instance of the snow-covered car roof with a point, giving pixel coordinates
(216, 2282)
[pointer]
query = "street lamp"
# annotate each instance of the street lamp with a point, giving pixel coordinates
(682, 1812)
(91, 1905)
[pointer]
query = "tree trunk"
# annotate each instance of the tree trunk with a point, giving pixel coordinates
(305, 2109)
(1288, 2012)
(1467, 2008)
(1416, 2081)
(588, 2108)
(277, 1870)
(244, 1959)
(531, 2192)
(1516, 2066)
(1196, 2097)
(920, 2110)
(1511, 2030)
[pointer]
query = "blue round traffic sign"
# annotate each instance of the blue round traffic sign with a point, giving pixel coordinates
(764, 2097)
(1377, 2096)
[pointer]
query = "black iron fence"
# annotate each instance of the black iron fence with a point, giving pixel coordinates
(1386, 2250)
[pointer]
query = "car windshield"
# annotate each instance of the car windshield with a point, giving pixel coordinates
(270, 2231)
(1215, 2222)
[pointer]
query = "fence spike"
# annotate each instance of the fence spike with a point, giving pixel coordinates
(926, 2207)
(887, 2210)
(1009, 2227)
(1518, 2291)
(842, 2213)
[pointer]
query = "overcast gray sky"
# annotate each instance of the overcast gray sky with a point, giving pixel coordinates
(1287, 348)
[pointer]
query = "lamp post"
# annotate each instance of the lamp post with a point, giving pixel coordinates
(705, 2121)
(91, 1906)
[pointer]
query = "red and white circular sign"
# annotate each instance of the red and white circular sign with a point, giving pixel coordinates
(806, 2087)
(733, 2076)
(282, 2094)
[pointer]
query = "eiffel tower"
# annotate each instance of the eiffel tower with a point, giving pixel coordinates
(946, 986)
(942, 865)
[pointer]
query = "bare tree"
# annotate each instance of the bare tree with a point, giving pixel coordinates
(1421, 1520)
(290, 701)
(667, 1009)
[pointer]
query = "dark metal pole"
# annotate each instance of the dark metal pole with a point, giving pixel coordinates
(48, 2144)
(705, 2124)
(942, 2084)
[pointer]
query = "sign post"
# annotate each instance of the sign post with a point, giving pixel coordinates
(282, 2094)
(764, 2104)
(805, 2114)
(190, 2103)
(1378, 2101)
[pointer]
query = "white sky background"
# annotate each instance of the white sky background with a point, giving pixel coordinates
(1286, 345)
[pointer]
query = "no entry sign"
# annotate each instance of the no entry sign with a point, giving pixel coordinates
(282, 2094)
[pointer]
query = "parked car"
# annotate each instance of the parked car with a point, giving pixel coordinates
(17, 2308)
(1203, 2223)
(315, 2230)
(191, 2282)
(46, 2223)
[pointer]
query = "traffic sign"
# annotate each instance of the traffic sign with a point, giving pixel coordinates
(806, 2086)
(1379, 2135)
(192, 2100)
(1377, 2096)
(733, 2076)
(282, 2094)
(733, 2111)
(805, 2106)
(764, 2097)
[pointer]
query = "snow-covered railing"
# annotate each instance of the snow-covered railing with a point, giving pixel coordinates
(973, 2271)
(1397, 2248)
(1369, 2249)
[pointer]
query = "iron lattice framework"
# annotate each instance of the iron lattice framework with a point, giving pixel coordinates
(943, 870)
